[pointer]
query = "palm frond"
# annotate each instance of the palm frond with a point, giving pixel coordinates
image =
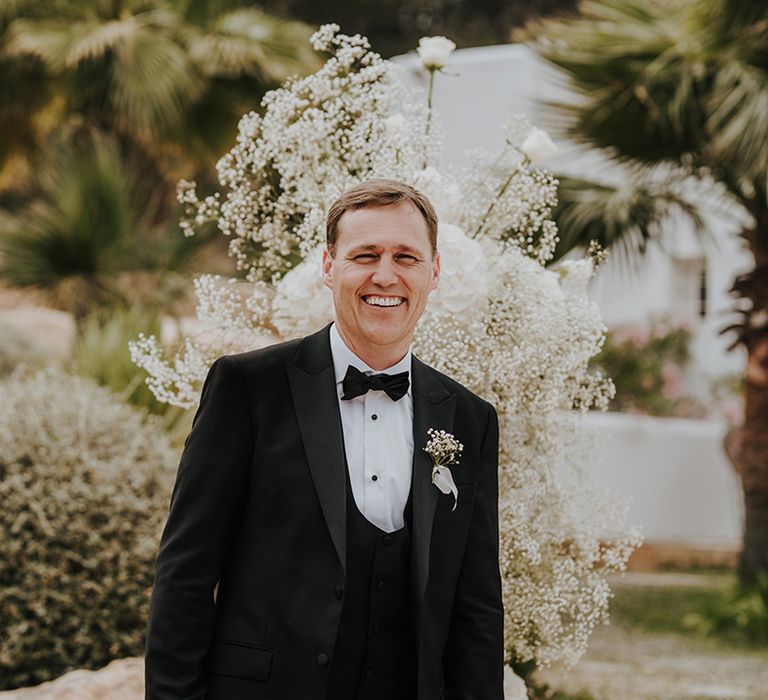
(739, 118)
(153, 80)
(622, 218)
(86, 223)
(247, 41)
(636, 82)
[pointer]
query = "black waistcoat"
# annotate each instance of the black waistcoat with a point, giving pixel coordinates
(375, 656)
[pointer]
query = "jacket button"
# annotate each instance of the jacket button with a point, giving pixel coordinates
(387, 540)
(322, 659)
(368, 672)
(380, 585)
(338, 592)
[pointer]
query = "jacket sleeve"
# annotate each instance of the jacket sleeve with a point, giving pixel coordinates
(473, 659)
(207, 500)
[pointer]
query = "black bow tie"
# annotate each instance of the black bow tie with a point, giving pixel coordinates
(355, 383)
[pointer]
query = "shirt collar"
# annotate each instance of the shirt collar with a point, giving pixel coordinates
(343, 357)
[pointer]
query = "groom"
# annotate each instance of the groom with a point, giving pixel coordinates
(307, 553)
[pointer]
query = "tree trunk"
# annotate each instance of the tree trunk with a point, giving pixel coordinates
(748, 450)
(747, 446)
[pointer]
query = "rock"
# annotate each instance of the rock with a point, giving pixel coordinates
(514, 686)
(122, 679)
(53, 330)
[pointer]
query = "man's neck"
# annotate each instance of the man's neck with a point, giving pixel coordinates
(377, 358)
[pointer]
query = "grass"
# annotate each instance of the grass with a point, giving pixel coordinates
(690, 610)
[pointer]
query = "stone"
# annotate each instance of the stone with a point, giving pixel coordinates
(122, 679)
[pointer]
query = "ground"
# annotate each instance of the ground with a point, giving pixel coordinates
(629, 660)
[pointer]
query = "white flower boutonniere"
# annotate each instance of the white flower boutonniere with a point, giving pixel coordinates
(444, 449)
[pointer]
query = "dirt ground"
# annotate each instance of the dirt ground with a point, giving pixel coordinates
(628, 664)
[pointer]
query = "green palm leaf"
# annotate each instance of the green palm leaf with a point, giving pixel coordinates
(90, 223)
(247, 41)
(622, 218)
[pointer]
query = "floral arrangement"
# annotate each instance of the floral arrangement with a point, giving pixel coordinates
(516, 333)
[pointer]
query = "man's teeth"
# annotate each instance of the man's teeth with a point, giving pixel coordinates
(383, 301)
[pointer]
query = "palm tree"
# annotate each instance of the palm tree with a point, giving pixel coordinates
(92, 224)
(163, 75)
(154, 86)
(683, 84)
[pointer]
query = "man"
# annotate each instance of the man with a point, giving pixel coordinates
(307, 554)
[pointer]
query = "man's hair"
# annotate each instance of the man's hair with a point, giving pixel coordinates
(379, 193)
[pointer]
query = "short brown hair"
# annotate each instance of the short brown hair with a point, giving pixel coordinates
(379, 193)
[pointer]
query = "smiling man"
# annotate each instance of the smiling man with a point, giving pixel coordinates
(307, 553)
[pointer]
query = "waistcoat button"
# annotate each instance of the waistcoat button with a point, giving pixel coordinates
(322, 659)
(338, 592)
(380, 585)
(387, 540)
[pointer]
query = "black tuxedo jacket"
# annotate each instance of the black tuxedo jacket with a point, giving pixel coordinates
(251, 569)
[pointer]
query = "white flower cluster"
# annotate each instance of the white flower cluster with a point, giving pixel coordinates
(443, 447)
(515, 332)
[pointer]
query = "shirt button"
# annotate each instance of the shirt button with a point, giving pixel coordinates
(374, 417)
(338, 592)
(322, 659)
(374, 478)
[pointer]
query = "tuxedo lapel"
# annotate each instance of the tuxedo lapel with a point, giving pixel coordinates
(433, 407)
(313, 388)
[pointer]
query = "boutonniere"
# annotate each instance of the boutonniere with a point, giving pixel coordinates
(444, 449)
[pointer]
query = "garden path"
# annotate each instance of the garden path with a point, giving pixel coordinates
(625, 663)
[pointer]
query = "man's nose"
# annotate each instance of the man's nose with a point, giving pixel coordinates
(385, 273)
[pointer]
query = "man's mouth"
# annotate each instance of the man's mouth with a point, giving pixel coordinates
(373, 300)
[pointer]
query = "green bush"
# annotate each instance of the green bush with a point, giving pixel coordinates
(737, 615)
(101, 353)
(84, 485)
(647, 364)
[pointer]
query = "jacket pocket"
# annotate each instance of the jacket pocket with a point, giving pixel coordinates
(239, 660)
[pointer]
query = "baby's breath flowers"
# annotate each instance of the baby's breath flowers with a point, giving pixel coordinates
(444, 449)
(502, 323)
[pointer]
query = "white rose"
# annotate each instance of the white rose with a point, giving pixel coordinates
(394, 124)
(442, 191)
(434, 51)
(303, 304)
(538, 147)
(464, 274)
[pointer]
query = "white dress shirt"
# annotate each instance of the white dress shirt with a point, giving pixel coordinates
(378, 439)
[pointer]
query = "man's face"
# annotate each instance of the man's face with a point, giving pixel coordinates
(381, 275)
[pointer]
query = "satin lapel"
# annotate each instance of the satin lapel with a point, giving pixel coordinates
(313, 388)
(433, 407)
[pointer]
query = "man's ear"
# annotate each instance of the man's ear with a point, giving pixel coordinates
(435, 271)
(327, 267)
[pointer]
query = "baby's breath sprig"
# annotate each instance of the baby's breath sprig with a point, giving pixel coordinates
(443, 447)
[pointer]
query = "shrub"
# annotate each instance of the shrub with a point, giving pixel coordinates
(738, 615)
(101, 353)
(647, 365)
(84, 483)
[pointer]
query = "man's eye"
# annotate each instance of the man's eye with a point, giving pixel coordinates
(363, 256)
(406, 257)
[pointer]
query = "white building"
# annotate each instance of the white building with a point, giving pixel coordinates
(682, 487)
